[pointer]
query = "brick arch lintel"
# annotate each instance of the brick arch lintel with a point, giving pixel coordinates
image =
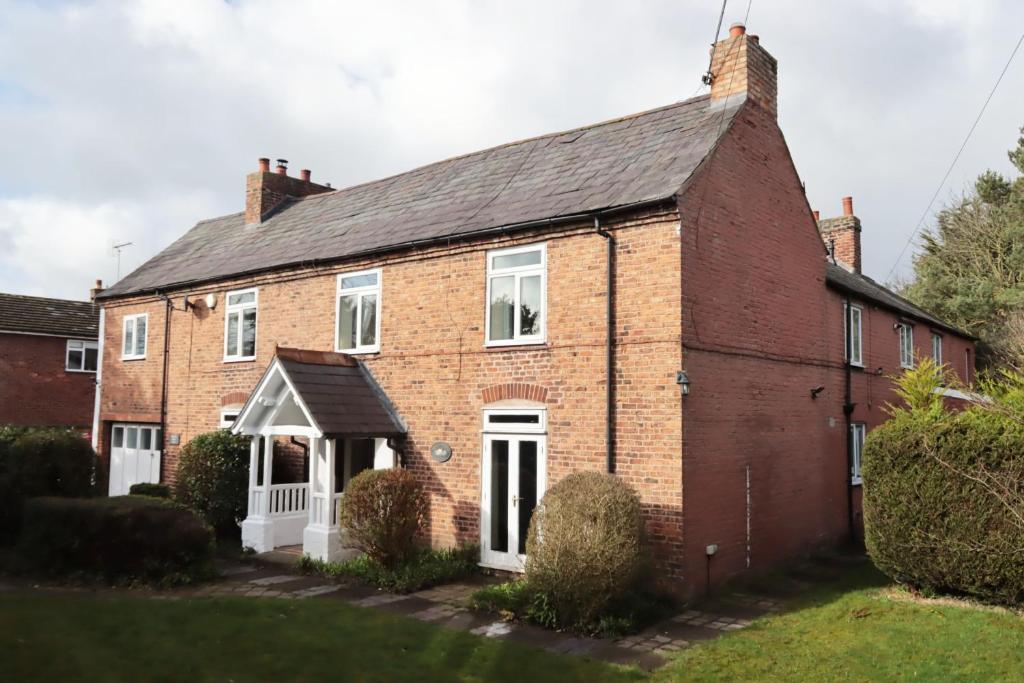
(528, 392)
(236, 398)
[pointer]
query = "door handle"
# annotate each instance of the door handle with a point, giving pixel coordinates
(515, 500)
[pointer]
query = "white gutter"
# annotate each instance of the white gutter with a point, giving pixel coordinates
(99, 384)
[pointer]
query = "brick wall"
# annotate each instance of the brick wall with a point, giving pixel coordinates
(435, 368)
(764, 462)
(36, 390)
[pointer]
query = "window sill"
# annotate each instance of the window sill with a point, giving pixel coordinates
(359, 352)
(246, 359)
(81, 372)
(133, 358)
(515, 345)
(858, 481)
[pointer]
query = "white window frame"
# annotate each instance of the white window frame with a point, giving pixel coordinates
(855, 355)
(85, 345)
(519, 272)
(239, 310)
(537, 427)
(937, 348)
(858, 432)
(906, 341)
(133, 321)
(360, 293)
(228, 416)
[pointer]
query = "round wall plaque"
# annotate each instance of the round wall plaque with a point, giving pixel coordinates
(441, 452)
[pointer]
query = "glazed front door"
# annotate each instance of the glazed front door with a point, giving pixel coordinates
(513, 477)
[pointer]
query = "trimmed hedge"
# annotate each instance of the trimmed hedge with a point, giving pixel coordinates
(213, 478)
(944, 491)
(153, 490)
(381, 513)
(584, 548)
(117, 540)
(41, 462)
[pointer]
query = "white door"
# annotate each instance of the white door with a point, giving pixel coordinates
(134, 456)
(513, 478)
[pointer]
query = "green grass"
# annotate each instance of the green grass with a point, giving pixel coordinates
(857, 630)
(94, 638)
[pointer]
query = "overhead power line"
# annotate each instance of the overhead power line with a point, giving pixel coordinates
(942, 183)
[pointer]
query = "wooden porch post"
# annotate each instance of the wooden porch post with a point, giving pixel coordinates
(332, 514)
(315, 445)
(268, 462)
(254, 465)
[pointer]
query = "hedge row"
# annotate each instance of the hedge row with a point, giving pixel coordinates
(944, 491)
(121, 539)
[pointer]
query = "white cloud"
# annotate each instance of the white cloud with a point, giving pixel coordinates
(132, 120)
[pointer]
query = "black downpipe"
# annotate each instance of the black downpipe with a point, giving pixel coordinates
(848, 412)
(163, 383)
(609, 423)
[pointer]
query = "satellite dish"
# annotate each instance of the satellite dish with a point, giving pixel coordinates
(211, 301)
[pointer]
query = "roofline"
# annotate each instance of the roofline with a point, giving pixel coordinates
(401, 246)
(931, 323)
(86, 337)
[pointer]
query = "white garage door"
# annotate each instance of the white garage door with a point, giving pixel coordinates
(134, 456)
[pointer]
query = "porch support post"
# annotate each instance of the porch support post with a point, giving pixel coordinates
(320, 538)
(268, 463)
(258, 528)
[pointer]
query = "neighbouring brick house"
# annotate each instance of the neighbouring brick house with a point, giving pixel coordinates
(48, 361)
(463, 320)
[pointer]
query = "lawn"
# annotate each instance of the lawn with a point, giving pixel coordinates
(856, 629)
(94, 638)
(862, 630)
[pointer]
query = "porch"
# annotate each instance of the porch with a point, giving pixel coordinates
(332, 402)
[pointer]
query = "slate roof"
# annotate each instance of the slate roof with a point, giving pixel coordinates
(863, 287)
(632, 160)
(39, 315)
(341, 394)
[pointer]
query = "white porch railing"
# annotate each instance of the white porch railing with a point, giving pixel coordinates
(322, 515)
(289, 499)
(335, 500)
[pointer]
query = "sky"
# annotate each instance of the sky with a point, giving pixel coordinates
(125, 121)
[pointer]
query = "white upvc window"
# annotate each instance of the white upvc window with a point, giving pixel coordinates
(937, 348)
(858, 431)
(906, 345)
(240, 324)
(133, 343)
(852, 321)
(516, 295)
(81, 356)
(358, 312)
(228, 416)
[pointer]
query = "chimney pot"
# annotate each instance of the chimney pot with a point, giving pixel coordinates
(741, 69)
(305, 174)
(847, 206)
(282, 166)
(264, 165)
(817, 215)
(96, 290)
(737, 29)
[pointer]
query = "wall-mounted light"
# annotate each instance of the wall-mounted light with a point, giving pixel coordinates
(815, 391)
(684, 382)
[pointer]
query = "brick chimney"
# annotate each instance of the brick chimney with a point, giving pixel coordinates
(844, 233)
(265, 191)
(740, 67)
(95, 290)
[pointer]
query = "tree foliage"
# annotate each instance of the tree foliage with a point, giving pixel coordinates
(970, 270)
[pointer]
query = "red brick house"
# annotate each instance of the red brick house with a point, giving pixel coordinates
(48, 361)
(648, 296)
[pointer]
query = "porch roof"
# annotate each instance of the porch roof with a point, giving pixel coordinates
(336, 393)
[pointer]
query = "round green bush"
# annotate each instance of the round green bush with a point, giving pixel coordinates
(213, 478)
(584, 549)
(41, 462)
(381, 513)
(944, 498)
